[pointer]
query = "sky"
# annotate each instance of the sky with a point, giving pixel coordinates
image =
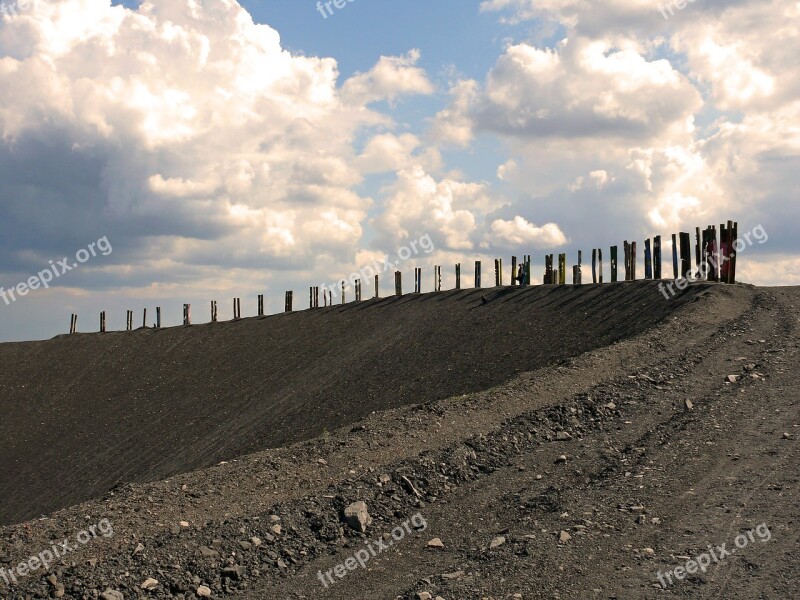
(184, 151)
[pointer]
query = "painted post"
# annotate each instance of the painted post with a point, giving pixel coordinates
(657, 257)
(648, 260)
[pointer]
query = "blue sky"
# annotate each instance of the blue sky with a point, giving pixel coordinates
(224, 160)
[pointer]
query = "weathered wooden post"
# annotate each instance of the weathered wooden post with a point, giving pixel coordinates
(144, 318)
(287, 307)
(129, 320)
(477, 273)
(633, 261)
(627, 251)
(343, 298)
(376, 287)
(575, 275)
(527, 269)
(734, 245)
(187, 314)
(458, 276)
(358, 290)
(237, 309)
(73, 323)
(648, 260)
(514, 270)
(562, 269)
(261, 305)
(213, 311)
(437, 278)
(675, 256)
(594, 265)
(600, 265)
(417, 280)
(697, 252)
(103, 322)
(158, 317)
(657, 257)
(398, 283)
(614, 267)
(686, 253)
(497, 280)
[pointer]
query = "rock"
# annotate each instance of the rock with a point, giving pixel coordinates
(52, 580)
(689, 405)
(610, 406)
(357, 517)
(204, 591)
(208, 552)
(149, 584)
(276, 529)
(454, 575)
(234, 572)
(435, 543)
(649, 552)
(563, 436)
(274, 519)
(561, 459)
(110, 594)
(733, 378)
(322, 461)
(58, 590)
(255, 541)
(564, 537)
(245, 545)
(787, 436)
(138, 550)
(497, 542)
(184, 524)
(424, 596)
(384, 479)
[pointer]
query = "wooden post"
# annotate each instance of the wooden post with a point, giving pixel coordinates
(614, 269)
(675, 256)
(398, 283)
(358, 290)
(158, 317)
(734, 244)
(213, 311)
(594, 265)
(562, 269)
(477, 273)
(128, 320)
(73, 323)
(458, 276)
(657, 257)
(600, 265)
(376, 286)
(633, 261)
(576, 280)
(527, 270)
(343, 298)
(627, 250)
(648, 260)
(144, 318)
(261, 305)
(514, 270)
(697, 246)
(287, 307)
(417, 280)
(497, 281)
(686, 253)
(187, 314)
(103, 322)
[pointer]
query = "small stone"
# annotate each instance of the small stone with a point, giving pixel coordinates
(384, 479)
(424, 596)
(208, 552)
(276, 529)
(52, 580)
(610, 406)
(110, 594)
(561, 459)
(563, 436)
(274, 519)
(255, 541)
(357, 517)
(149, 584)
(245, 545)
(435, 543)
(454, 575)
(58, 590)
(322, 461)
(497, 542)
(204, 591)
(649, 552)
(689, 405)
(787, 436)
(234, 572)
(184, 524)
(138, 550)
(733, 378)
(564, 537)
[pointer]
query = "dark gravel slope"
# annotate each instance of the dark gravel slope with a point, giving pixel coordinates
(84, 413)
